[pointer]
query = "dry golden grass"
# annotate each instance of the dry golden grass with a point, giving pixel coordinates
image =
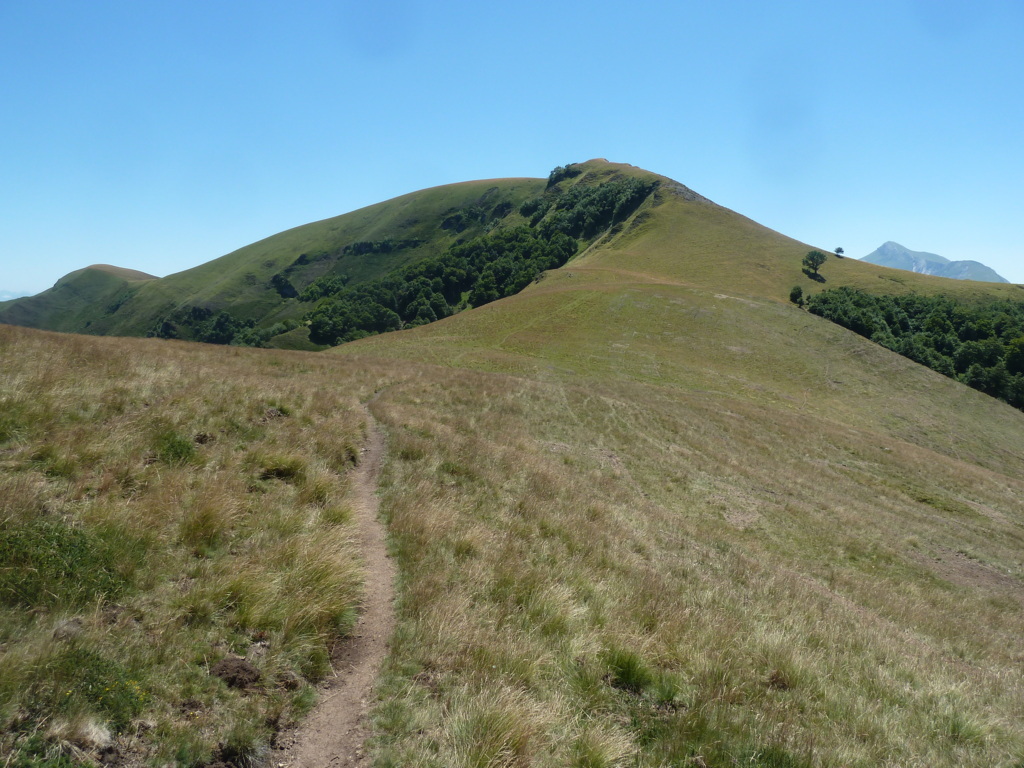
(616, 575)
(645, 514)
(165, 506)
(673, 509)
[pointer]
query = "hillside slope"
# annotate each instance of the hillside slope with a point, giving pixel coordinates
(646, 512)
(707, 524)
(77, 300)
(259, 283)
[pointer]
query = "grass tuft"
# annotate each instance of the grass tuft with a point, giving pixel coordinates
(174, 448)
(50, 564)
(281, 467)
(628, 671)
(493, 730)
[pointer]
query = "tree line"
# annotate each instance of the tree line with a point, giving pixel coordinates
(470, 274)
(221, 327)
(979, 344)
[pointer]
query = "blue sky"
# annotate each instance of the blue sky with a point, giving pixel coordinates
(160, 135)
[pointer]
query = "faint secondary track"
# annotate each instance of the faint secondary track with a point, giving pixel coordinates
(334, 733)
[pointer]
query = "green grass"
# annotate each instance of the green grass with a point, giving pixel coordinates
(79, 302)
(646, 513)
(170, 505)
(105, 303)
(695, 520)
(51, 564)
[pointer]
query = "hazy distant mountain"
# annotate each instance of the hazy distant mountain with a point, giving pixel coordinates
(8, 295)
(898, 257)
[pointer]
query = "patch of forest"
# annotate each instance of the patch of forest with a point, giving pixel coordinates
(469, 274)
(980, 345)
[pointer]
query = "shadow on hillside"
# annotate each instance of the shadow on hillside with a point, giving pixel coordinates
(814, 276)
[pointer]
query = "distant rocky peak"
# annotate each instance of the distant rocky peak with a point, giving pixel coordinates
(892, 254)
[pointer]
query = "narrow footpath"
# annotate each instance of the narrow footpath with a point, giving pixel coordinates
(335, 731)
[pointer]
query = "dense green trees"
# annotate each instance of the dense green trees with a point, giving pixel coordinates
(201, 324)
(204, 325)
(468, 274)
(981, 345)
(484, 269)
(284, 288)
(328, 285)
(560, 173)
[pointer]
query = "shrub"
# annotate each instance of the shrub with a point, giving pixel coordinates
(560, 173)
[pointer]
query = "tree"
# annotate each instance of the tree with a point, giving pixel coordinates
(1015, 356)
(284, 289)
(813, 260)
(839, 253)
(797, 295)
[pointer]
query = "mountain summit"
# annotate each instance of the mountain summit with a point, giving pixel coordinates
(899, 257)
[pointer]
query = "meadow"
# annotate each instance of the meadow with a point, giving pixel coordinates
(645, 513)
(663, 545)
(166, 507)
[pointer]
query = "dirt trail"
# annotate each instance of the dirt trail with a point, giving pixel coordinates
(334, 733)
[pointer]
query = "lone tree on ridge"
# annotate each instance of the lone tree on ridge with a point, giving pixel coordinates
(813, 260)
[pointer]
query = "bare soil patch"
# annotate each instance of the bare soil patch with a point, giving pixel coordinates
(958, 568)
(237, 673)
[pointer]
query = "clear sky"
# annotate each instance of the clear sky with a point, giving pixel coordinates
(159, 135)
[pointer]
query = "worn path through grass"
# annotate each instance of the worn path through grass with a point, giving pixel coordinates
(335, 731)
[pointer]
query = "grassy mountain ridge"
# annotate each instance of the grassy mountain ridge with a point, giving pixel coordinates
(773, 541)
(646, 512)
(241, 281)
(77, 300)
(704, 244)
(681, 235)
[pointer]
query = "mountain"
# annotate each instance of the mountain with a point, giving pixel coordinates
(894, 255)
(309, 287)
(260, 283)
(77, 300)
(645, 511)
